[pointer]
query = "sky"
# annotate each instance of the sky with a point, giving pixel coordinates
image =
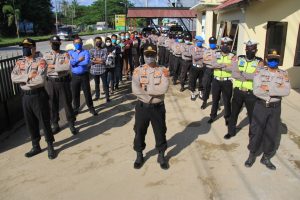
(137, 3)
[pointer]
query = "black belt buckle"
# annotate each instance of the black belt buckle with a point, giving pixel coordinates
(267, 104)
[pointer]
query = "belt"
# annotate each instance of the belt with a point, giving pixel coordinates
(243, 89)
(33, 91)
(222, 78)
(196, 65)
(59, 79)
(151, 105)
(178, 55)
(269, 104)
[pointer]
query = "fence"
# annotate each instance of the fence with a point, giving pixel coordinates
(10, 96)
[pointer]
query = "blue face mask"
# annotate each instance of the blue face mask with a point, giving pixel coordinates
(127, 36)
(176, 40)
(113, 41)
(212, 46)
(78, 46)
(273, 63)
(199, 44)
(180, 40)
(122, 37)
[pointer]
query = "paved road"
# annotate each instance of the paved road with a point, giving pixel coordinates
(6, 52)
(98, 162)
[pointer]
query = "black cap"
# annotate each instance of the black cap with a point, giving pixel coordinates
(212, 40)
(28, 42)
(187, 37)
(273, 54)
(180, 36)
(55, 38)
(150, 49)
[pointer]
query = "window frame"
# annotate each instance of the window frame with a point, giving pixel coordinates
(297, 56)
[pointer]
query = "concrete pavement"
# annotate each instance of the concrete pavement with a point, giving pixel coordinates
(98, 162)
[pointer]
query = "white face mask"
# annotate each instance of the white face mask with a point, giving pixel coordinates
(149, 60)
(108, 43)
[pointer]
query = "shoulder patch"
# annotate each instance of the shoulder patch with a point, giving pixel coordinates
(41, 64)
(166, 72)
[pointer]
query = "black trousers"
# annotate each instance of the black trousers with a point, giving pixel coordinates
(177, 68)
(161, 55)
(185, 66)
(81, 82)
(60, 92)
(111, 78)
(167, 55)
(36, 114)
(239, 98)
(171, 63)
(144, 114)
(206, 81)
(104, 82)
(264, 129)
(196, 74)
(218, 88)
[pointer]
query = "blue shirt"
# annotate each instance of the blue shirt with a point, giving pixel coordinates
(79, 67)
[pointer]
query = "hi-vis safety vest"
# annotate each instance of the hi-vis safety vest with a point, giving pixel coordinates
(219, 72)
(248, 67)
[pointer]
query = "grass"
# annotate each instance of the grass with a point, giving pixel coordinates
(4, 42)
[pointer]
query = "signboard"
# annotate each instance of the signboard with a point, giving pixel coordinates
(120, 22)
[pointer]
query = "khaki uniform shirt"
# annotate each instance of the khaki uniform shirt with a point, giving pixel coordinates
(24, 68)
(170, 46)
(161, 41)
(166, 44)
(186, 51)
(271, 86)
(153, 39)
(210, 57)
(177, 49)
(150, 84)
(197, 55)
(58, 63)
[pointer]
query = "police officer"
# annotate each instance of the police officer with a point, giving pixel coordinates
(209, 56)
(29, 72)
(186, 61)
(153, 38)
(172, 41)
(197, 69)
(243, 85)
(80, 59)
(167, 50)
(150, 83)
(58, 84)
(161, 47)
(269, 86)
(221, 83)
(177, 52)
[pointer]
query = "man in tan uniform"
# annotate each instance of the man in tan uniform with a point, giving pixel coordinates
(58, 84)
(150, 83)
(29, 72)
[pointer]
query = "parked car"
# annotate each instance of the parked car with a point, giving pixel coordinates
(66, 33)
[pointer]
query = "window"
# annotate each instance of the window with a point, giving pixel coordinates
(229, 29)
(297, 52)
(276, 37)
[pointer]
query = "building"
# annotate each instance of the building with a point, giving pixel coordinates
(275, 24)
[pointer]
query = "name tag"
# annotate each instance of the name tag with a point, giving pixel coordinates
(144, 79)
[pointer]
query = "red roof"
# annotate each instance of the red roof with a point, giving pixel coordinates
(227, 3)
(160, 13)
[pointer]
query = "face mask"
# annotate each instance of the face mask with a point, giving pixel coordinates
(127, 36)
(136, 36)
(122, 37)
(212, 46)
(273, 63)
(98, 44)
(176, 40)
(113, 41)
(186, 42)
(225, 49)
(250, 54)
(199, 44)
(78, 46)
(149, 60)
(118, 41)
(108, 43)
(165, 35)
(180, 40)
(55, 46)
(27, 51)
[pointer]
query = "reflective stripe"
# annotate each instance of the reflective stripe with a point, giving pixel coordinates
(219, 72)
(248, 67)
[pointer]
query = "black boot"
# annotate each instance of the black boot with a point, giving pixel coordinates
(36, 149)
(203, 106)
(211, 120)
(51, 151)
(72, 128)
(182, 89)
(55, 128)
(226, 122)
(162, 160)
(250, 161)
(266, 161)
(228, 136)
(138, 163)
(93, 112)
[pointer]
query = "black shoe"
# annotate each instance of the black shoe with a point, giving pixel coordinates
(174, 82)
(107, 100)
(181, 89)
(226, 122)
(75, 112)
(51, 152)
(162, 160)
(251, 160)
(34, 151)
(72, 128)
(203, 106)
(228, 136)
(116, 87)
(211, 120)
(266, 161)
(55, 128)
(138, 163)
(93, 112)
(96, 99)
